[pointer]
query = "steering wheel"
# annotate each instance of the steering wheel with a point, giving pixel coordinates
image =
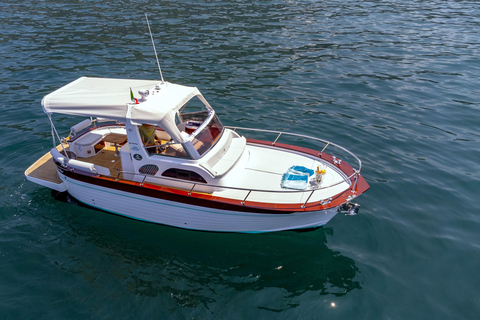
(161, 147)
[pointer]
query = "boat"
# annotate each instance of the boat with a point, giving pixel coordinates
(196, 173)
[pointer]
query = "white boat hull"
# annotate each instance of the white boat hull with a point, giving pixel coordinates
(189, 216)
(166, 158)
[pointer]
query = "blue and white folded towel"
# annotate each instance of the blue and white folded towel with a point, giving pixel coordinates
(296, 177)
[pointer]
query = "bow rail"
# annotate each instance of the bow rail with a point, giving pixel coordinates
(193, 185)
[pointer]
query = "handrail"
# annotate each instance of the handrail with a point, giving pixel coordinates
(218, 186)
(194, 184)
(356, 172)
(301, 136)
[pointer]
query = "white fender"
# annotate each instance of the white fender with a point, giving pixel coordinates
(80, 126)
(88, 167)
(81, 165)
(58, 156)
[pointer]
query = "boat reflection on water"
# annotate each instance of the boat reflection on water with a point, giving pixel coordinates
(140, 263)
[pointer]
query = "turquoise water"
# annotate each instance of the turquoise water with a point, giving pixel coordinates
(396, 82)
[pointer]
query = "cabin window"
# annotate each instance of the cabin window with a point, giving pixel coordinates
(183, 175)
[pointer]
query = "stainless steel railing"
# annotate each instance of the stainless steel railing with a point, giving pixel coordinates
(279, 133)
(194, 184)
(356, 172)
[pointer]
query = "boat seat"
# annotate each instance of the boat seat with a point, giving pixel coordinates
(162, 135)
(199, 146)
(84, 146)
(175, 150)
(89, 139)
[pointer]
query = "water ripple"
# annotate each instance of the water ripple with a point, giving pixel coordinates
(394, 81)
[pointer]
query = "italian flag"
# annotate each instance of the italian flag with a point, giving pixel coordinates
(132, 98)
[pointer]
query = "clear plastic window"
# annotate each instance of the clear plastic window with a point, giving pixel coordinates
(206, 138)
(193, 116)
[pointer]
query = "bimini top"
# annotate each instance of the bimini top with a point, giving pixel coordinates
(110, 98)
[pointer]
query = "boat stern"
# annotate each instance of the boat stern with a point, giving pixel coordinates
(44, 172)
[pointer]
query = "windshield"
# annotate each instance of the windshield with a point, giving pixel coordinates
(202, 124)
(207, 137)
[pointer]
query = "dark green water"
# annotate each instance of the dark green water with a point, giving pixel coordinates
(396, 82)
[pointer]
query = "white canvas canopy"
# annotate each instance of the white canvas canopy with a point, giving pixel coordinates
(109, 98)
(162, 105)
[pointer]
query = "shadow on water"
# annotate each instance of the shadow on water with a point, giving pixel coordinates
(193, 269)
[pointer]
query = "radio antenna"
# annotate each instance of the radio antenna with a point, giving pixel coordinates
(153, 44)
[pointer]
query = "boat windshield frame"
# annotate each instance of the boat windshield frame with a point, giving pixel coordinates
(200, 133)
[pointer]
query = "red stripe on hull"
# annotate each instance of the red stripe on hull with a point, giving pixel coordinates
(209, 201)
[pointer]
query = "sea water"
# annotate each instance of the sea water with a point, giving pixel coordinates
(396, 82)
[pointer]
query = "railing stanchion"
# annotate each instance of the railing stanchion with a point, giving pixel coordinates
(190, 193)
(356, 180)
(325, 147)
(277, 138)
(243, 202)
(311, 193)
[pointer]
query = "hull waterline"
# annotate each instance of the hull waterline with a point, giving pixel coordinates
(187, 216)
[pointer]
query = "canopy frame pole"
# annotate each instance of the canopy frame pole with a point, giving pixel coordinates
(54, 130)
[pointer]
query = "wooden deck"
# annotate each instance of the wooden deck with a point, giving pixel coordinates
(106, 158)
(45, 169)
